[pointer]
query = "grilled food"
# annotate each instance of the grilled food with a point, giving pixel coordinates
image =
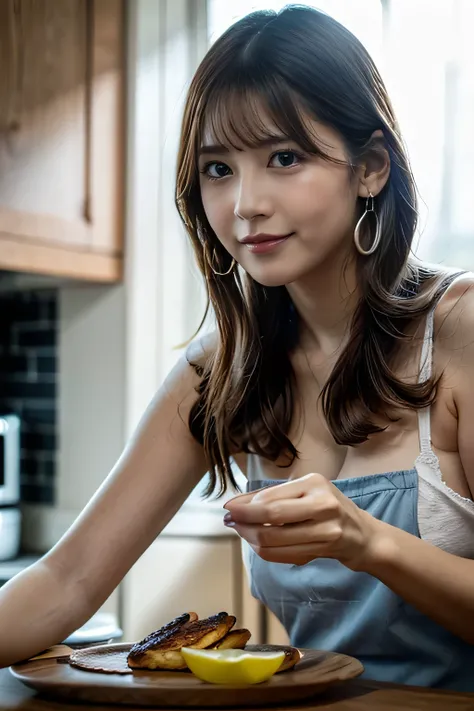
(235, 639)
(138, 652)
(292, 655)
(161, 649)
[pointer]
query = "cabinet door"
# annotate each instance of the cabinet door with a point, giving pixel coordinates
(266, 628)
(61, 136)
(180, 574)
(275, 632)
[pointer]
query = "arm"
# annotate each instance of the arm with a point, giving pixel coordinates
(153, 477)
(324, 523)
(437, 583)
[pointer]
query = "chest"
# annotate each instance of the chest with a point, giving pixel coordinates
(395, 448)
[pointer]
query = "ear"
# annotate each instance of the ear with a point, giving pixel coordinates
(375, 167)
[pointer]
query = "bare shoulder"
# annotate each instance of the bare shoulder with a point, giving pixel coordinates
(454, 344)
(454, 321)
(182, 381)
(201, 351)
(454, 318)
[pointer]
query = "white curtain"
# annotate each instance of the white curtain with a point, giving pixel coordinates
(424, 51)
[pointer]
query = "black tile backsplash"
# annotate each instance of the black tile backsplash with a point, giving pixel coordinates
(28, 369)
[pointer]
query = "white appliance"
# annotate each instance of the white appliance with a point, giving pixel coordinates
(10, 515)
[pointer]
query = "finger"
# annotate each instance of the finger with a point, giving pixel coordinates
(242, 498)
(290, 535)
(293, 488)
(283, 511)
(276, 512)
(260, 494)
(295, 555)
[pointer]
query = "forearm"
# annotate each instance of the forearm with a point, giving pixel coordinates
(438, 584)
(37, 609)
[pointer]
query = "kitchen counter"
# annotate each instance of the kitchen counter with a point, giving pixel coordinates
(352, 696)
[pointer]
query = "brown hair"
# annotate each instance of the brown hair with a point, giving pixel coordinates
(299, 60)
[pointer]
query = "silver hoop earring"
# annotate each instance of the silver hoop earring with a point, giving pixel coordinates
(369, 208)
(206, 257)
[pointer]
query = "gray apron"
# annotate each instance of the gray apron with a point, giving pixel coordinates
(324, 605)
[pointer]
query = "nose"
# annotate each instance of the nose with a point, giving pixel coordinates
(252, 200)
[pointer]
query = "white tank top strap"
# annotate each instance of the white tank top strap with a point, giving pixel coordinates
(426, 369)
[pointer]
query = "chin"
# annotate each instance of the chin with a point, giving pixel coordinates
(275, 277)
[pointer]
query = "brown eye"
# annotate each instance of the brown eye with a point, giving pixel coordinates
(217, 170)
(285, 159)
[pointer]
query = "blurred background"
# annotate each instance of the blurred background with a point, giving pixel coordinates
(97, 283)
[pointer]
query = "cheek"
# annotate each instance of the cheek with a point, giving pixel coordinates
(324, 198)
(323, 193)
(219, 209)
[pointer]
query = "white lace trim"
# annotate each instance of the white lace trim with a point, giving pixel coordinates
(427, 456)
(431, 460)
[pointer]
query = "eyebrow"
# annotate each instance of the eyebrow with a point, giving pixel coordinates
(220, 149)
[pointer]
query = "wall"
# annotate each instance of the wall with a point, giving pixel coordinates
(90, 405)
(164, 296)
(28, 380)
(91, 344)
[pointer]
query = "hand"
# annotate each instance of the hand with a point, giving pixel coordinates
(303, 519)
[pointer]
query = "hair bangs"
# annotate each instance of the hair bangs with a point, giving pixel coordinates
(241, 115)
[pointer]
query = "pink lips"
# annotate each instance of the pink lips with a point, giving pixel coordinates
(263, 243)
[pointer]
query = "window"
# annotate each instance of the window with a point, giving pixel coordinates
(424, 51)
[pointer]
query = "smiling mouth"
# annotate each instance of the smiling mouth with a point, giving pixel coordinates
(262, 245)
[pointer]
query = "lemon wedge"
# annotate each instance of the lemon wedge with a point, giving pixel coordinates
(232, 666)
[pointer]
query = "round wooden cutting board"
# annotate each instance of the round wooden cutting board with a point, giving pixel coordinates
(311, 675)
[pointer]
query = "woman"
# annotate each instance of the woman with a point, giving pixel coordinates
(337, 356)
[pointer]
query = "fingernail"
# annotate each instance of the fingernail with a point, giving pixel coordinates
(227, 518)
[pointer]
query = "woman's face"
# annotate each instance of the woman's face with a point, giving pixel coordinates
(280, 212)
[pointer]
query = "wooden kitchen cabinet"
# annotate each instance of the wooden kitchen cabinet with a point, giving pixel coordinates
(203, 574)
(178, 574)
(62, 137)
(275, 633)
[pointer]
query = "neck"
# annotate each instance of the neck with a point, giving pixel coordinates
(325, 301)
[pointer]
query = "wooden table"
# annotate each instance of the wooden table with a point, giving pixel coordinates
(352, 696)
